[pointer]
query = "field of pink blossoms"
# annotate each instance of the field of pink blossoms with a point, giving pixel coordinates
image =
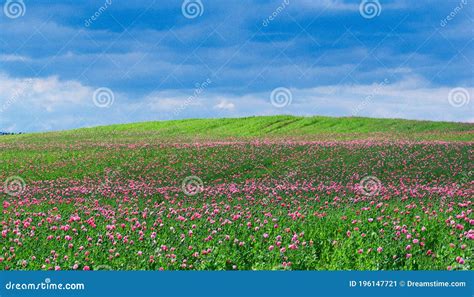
(292, 205)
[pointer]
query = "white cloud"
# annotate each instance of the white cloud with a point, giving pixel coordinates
(341, 5)
(48, 103)
(225, 104)
(14, 58)
(42, 93)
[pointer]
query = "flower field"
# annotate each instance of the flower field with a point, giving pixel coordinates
(140, 203)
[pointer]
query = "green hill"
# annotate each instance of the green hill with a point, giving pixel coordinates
(311, 128)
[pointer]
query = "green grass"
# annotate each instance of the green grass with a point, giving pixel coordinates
(123, 176)
(314, 128)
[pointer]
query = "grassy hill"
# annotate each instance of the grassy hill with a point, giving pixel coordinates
(311, 128)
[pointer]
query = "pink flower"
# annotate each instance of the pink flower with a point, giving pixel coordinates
(415, 241)
(360, 251)
(293, 246)
(140, 253)
(379, 249)
(265, 235)
(86, 268)
(408, 247)
(408, 256)
(283, 249)
(270, 248)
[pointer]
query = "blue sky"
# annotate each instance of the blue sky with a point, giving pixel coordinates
(69, 64)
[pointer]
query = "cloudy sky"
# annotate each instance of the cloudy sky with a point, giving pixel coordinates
(68, 64)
